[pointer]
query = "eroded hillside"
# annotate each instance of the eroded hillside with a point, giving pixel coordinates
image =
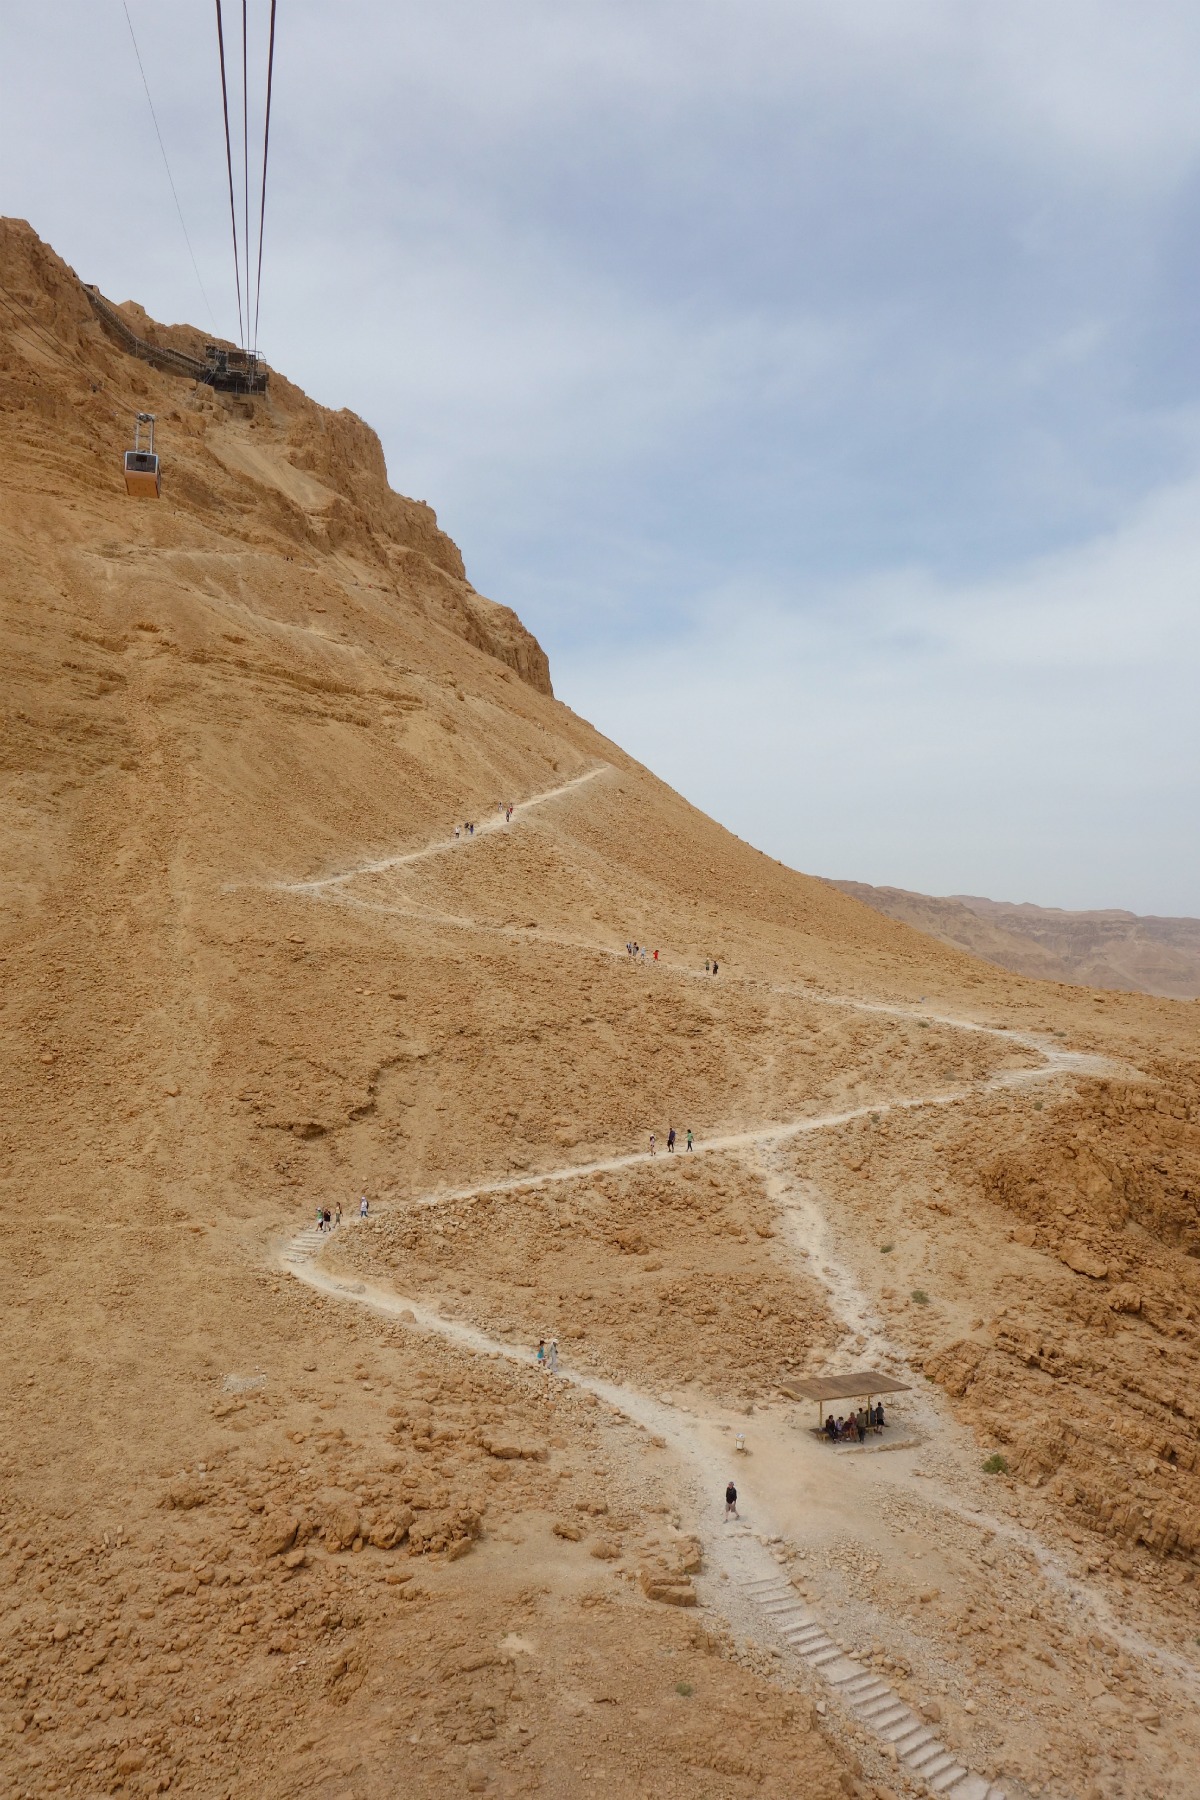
(289, 1513)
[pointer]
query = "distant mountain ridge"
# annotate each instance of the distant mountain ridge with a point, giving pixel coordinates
(1105, 949)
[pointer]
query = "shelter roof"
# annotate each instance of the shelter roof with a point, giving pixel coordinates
(860, 1384)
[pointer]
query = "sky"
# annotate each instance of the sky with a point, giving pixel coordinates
(820, 383)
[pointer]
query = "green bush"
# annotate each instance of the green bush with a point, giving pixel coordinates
(684, 1688)
(886, 1249)
(920, 1297)
(997, 1465)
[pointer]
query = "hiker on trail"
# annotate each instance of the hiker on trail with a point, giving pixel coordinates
(653, 1145)
(643, 956)
(707, 964)
(541, 1355)
(689, 1138)
(508, 816)
(656, 956)
(671, 1140)
(714, 965)
(328, 1221)
(338, 1219)
(731, 1502)
(363, 1207)
(320, 1220)
(458, 831)
(629, 946)
(554, 1356)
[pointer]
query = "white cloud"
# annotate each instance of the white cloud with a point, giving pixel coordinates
(1033, 737)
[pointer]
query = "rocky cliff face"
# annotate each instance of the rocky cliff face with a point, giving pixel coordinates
(281, 473)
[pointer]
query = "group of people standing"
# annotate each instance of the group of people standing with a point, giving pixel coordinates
(867, 1418)
(329, 1221)
(671, 1139)
(638, 953)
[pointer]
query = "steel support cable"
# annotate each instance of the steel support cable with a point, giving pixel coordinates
(166, 165)
(237, 267)
(262, 209)
(246, 158)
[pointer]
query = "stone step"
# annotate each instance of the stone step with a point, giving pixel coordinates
(939, 1765)
(817, 1659)
(888, 1714)
(766, 1581)
(942, 1784)
(845, 1671)
(859, 1693)
(880, 1699)
(908, 1738)
(971, 1787)
(817, 1646)
(928, 1752)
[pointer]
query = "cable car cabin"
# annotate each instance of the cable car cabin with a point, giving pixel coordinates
(234, 371)
(141, 464)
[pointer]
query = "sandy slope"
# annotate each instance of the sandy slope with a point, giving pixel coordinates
(262, 1539)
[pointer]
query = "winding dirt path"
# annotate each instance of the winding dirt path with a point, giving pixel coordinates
(744, 1582)
(442, 846)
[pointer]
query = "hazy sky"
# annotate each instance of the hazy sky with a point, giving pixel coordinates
(821, 382)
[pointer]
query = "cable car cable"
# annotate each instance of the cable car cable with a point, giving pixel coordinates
(237, 270)
(167, 166)
(262, 210)
(246, 160)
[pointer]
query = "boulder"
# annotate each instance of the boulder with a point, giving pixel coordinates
(337, 1514)
(1084, 1261)
(277, 1534)
(671, 1590)
(392, 1529)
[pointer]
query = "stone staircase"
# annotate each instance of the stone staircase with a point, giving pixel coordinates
(304, 1247)
(869, 1698)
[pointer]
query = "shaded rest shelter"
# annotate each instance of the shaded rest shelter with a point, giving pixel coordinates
(860, 1384)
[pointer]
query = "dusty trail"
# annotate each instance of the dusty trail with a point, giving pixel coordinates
(762, 1136)
(746, 1584)
(748, 1588)
(442, 846)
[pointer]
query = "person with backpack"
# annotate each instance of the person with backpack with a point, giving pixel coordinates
(731, 1510)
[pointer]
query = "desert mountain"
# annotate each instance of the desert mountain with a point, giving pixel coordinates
(1104, 949)
(312, 891)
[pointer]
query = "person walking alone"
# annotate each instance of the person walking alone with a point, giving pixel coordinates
(364, 1207)
(731, 1511)
(653, 1145)
(689, 1138)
